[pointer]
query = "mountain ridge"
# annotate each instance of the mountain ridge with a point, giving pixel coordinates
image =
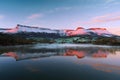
(66, 32)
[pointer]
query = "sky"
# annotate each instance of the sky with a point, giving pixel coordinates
(61, 14)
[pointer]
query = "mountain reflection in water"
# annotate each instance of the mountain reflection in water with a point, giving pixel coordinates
(59, 62)
(79, 53)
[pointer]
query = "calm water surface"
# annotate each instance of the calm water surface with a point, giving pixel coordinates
(60, 62)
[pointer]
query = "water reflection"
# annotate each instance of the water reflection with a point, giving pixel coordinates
(94, 63)
(11, 54)
(100, 54)
(79, 53)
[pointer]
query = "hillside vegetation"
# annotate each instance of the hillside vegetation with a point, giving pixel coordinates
(8, 39)
(107, 41)
(29, 38)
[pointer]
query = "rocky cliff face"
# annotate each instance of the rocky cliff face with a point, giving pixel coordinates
(82, 31)
(99, 31)
(78, 31)
(24, 28)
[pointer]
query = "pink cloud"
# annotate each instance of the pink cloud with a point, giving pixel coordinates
(34, 16)
(104, 18)
(114, 30)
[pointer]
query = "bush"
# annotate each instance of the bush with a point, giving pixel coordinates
(107, 41)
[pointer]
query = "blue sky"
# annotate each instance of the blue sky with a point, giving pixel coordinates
(61, 14)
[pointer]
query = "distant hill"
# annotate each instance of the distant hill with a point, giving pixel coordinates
(23, 34)
(90, 31)
(79, 31)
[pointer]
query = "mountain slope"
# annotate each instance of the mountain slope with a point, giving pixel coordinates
(78, 31)
(90, 31)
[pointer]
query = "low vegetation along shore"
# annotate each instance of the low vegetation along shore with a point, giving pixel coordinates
(10, 39)
(7, 39)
